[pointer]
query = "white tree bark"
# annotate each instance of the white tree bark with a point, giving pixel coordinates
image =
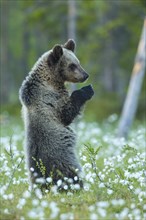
(131, 102)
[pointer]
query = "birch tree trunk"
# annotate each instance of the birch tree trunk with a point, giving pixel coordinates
(131, 102)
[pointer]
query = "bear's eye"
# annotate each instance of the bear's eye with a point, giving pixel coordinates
(72, 66)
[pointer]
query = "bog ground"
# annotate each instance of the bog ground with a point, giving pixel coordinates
(114, 176)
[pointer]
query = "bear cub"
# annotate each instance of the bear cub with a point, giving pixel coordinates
(48, 110)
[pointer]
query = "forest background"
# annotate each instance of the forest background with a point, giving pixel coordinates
(106, 32)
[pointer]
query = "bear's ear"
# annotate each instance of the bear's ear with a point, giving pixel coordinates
(55, 55)
(70, 45)
(57, 52)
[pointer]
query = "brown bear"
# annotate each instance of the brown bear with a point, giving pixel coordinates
(48, 110)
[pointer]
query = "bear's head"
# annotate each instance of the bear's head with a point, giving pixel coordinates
(64, 65)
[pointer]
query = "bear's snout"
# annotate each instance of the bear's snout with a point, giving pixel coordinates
(85, 76)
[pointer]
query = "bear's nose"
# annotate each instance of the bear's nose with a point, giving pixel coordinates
(85, 76)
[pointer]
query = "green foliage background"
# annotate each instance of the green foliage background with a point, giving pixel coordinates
(107, 35)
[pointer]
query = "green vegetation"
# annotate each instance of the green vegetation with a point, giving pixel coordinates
(114, 177)
(107, 35)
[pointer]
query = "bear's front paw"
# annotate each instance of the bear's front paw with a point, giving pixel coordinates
(88, 91)
(82, 95)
